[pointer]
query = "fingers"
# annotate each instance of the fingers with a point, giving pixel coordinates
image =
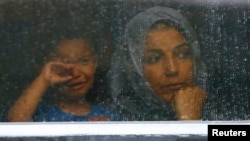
(57, 72)
(55, 66)
(191, 94)
(60, 79)
(189, 102)
(61, 69)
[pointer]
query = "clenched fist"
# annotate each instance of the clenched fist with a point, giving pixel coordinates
(188, 103)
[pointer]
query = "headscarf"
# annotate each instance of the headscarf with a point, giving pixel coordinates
(128, 87)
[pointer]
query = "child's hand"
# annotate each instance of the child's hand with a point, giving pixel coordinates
(56, 72)
(189, 102)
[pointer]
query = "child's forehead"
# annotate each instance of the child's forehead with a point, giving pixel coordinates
(72, 45)
(73, 49)
(73, 52)
(74, 42)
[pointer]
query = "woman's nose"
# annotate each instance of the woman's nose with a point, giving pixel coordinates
(170, 66)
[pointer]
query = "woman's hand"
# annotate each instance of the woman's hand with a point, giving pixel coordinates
(56, 72)
(189, 102)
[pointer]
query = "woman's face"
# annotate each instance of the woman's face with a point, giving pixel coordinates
(167, 63)
(79, 53)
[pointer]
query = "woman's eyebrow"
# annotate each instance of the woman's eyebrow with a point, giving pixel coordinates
(86, 55)
(182, 44)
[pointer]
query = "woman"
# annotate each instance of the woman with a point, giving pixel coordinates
(157, 73)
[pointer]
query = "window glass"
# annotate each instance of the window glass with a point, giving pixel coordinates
(218, 44)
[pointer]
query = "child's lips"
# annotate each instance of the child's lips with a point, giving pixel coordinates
(77, 86)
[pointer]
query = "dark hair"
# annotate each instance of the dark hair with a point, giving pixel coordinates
(74, 33)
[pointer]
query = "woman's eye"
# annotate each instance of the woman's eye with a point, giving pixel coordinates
(152, 59)
(184, 54)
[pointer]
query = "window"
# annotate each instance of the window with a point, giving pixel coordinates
(220, 35)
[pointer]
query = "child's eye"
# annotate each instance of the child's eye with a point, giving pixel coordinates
(152, 58)
(85, 61)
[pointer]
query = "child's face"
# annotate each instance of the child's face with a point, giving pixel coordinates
(168, 63)
(77, 52)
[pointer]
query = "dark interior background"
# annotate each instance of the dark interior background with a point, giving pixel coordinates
(223, 28)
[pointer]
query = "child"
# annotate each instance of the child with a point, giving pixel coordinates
(71, 71)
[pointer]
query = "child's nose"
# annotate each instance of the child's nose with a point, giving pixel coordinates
(76, 72)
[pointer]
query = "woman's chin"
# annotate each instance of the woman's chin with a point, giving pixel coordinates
(168, 97)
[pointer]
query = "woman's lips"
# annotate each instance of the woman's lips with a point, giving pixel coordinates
(173, 87)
